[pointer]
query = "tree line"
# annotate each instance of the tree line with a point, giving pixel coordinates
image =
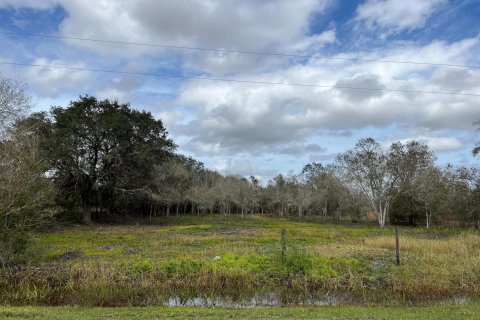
(94, 160)
(401, 185)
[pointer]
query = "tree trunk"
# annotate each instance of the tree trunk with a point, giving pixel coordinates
(381, 212)
(176, 212)
(87, 214)
(381, 218)
(168, 210)
(324, 211)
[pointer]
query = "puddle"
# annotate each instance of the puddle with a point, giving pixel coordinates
(457, 300)
(268, 300)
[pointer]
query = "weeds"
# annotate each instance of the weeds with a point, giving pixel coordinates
(146, 265)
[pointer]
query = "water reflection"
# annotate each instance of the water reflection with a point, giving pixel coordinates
(264, 300)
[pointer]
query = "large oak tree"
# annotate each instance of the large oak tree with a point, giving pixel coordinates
(100, 148)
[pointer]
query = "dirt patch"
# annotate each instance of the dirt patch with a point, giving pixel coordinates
(69, 255)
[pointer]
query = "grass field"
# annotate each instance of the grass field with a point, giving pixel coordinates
(338, 313)
(172, 261)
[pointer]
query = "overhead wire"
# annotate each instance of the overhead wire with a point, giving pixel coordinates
(168, 75)
(278, 54)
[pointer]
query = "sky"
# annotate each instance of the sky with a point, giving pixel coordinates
(258, 128)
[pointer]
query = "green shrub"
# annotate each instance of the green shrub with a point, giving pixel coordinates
(182, 268)
(12, 247)
(141, 267)
(299, 260)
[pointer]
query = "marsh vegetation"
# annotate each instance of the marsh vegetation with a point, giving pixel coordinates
(172, 261)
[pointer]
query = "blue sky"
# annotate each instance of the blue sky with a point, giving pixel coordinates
(263, 129)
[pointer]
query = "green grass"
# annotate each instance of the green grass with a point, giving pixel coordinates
(145, 264)
(463, 312)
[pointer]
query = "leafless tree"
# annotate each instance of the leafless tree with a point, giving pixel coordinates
(14, 103)
(381, 174)
(25, 192)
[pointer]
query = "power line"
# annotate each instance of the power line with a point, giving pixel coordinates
(160, 75)
(278, 54)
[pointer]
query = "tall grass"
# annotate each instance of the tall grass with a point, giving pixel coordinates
(146, 265)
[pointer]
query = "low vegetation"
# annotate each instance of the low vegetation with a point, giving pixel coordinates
(214, 260)
(372, 313)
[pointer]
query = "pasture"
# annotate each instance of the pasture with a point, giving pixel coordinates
(233, 262)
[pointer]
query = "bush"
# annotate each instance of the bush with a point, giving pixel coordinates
(141, 267)
(182, 268)
(298, 260)
(406, 210)
(12, 246)
(25, 192)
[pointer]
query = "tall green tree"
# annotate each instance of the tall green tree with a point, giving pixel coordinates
(100, 148)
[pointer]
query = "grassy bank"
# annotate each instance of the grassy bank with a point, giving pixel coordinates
(73, 313)
(148, 264)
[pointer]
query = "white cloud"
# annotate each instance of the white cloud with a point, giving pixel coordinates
(438, 143)
(50, 82)
(361, 81)
(220, 119)
(297, 148)
(396, 16)
(170, 118)
(457, 79)
(241, 118)
(35, 4)
(243, 167)
(249, 25)
(245, 25)
(443, 144)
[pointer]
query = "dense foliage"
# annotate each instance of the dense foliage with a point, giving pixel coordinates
(101, 150)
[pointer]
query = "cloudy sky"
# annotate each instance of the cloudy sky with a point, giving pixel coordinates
(259, 128)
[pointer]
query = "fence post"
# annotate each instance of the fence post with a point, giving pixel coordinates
(397, 245)
(283, 243)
